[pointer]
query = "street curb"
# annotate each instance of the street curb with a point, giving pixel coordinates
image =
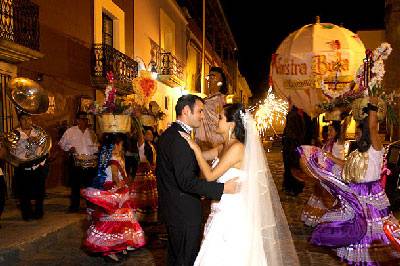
(24, 251)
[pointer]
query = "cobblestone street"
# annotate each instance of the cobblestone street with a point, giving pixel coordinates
(99, 97)
(67, 249)
(308, 254)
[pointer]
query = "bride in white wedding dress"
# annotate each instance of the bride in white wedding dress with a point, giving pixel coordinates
(248, 228)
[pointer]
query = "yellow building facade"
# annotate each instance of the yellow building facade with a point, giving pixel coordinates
(73, 44)
(160, 46)
(243, 90)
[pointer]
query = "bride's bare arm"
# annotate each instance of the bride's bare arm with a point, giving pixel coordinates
(232, 157)
(212, 154)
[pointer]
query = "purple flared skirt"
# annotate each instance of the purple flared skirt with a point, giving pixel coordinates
(355, 227)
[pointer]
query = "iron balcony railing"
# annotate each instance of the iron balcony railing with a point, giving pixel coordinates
(105, 59)
(19, 22)
(170, 65)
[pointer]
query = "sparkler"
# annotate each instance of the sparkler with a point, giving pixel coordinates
(271, 112)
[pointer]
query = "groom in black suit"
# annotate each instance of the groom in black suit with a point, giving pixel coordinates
(179, 185)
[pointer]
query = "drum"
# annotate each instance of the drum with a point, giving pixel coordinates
(85, 160)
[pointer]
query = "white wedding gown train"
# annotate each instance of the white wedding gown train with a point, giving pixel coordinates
(223, 234)
(248, 228)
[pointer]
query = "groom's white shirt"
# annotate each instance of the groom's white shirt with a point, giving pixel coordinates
(188, 129)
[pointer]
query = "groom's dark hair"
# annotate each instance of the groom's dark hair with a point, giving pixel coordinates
(184, 100)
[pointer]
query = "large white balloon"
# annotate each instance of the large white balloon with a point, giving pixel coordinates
(316, 52)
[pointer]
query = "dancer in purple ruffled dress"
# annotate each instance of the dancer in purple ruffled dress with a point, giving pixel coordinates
(321, 200)
(355, 227)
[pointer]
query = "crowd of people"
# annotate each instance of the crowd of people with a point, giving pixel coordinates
(213, 150)
(109, 164)
(116, 173)
(348, 208)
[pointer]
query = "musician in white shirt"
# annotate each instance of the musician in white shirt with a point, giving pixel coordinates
(30, 176)
(80, 140)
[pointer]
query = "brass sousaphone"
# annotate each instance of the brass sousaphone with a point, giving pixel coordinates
(28, 97)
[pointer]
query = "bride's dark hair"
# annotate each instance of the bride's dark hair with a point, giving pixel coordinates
(232, 114)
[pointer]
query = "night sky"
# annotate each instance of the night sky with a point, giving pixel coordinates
(274, 20)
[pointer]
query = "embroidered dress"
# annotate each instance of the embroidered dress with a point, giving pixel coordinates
(321, 200)
(113, 225)
(143, 191)
(392, 231)
(355, 226)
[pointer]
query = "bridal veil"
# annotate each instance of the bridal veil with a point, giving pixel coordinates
(268, 235)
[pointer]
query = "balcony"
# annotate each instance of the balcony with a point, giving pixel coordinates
(104, 59)
(19, 30)
(171, 70)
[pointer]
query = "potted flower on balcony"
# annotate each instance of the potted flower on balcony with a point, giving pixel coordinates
(114, 114)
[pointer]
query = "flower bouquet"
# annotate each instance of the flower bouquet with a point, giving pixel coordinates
(152, 115)
(368, 82)
(145, 87)
(114, 114)
(343, 101)
(369, 77)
